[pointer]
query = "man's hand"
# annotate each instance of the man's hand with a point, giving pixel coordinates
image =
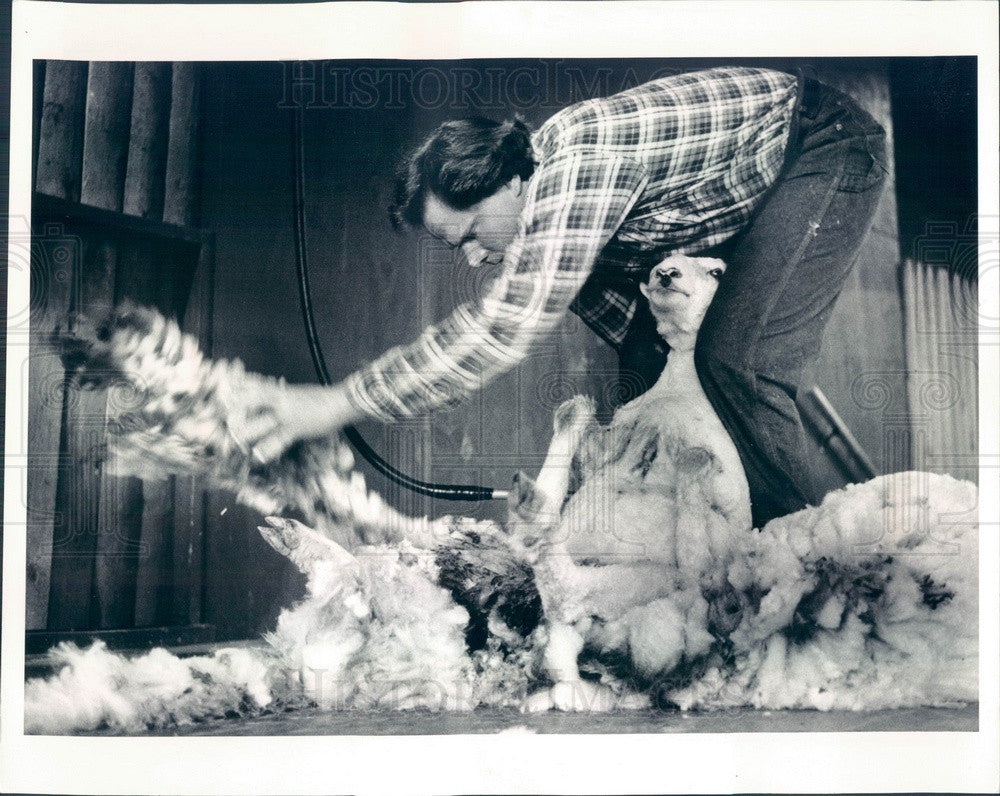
(280, 414)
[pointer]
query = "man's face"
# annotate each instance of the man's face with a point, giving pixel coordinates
(484, 231)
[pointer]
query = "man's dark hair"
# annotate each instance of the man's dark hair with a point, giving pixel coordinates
(462, 162)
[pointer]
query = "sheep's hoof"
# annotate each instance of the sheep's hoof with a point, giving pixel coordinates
(581, 696)
(538, 702)
(574, 696)
(573, 414)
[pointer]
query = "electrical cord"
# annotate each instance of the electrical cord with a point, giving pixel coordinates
(465, 492)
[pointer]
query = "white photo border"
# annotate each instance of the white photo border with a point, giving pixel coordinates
(757, 762)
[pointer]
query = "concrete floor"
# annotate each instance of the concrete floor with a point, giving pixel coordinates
(316, 722)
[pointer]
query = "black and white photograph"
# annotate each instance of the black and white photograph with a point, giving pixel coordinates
(471, 401)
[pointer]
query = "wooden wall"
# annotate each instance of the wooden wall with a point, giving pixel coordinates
(115, 200)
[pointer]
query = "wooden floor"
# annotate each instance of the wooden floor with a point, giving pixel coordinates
(316, 722)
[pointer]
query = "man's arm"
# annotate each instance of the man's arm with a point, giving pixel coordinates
(575, 203)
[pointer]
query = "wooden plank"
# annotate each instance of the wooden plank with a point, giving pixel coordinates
(180, 194)
(144, 275)
(188, 553)
(86, 218)
(190, 502)
(106, 132)
(145, 174)
(119, 499)
(119, 538)
(154, 578)
(50, 289)
(80, 488)
(117, 560)
(38, 102)
(60, 135)
(37, 643)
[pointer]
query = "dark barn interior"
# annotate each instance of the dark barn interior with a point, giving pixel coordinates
(173, 185)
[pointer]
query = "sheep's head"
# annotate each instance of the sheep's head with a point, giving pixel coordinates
(679, 290)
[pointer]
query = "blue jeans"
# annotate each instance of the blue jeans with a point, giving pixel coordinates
(785, 270)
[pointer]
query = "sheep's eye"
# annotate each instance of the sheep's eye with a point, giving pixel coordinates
(716, 273)
(673, 273)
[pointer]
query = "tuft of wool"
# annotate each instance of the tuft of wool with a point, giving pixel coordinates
(488, 574)
(374, 631)
(377, 632)
(172, 412)
(98, 689)
(870, 601)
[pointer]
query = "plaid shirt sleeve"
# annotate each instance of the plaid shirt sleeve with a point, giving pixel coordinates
(575, 202)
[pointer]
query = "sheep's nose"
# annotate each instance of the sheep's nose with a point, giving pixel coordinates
(665, 278)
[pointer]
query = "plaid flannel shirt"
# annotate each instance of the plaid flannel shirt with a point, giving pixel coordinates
(676, 164)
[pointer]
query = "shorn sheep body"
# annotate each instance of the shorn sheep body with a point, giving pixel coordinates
(866, 601)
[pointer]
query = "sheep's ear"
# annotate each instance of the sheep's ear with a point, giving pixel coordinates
(524, 501)
(644, 289)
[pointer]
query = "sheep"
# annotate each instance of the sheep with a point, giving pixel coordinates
(651, 558)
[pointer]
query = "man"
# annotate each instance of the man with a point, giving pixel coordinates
(776, 175)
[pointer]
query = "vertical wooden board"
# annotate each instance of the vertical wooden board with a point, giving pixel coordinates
(180, 194)
(154, 578)
(57, 257)
(145, 173)
(80, 487)
(138, 274)
(145, 275)
(121, 546)
(248, 201)
(120, 514)
(189, 500)
(73, 545)
(118, 501)
(106, 134)
(60, 134)
(37, 103)
(187, 551)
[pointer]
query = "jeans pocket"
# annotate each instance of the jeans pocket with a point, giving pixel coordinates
(864, 164)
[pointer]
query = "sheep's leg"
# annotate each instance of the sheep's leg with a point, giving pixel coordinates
(569, 424)
(532, 521)
(535, 510)
(536, 503)
(570, 692)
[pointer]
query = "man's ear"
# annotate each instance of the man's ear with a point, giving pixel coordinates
(516, 185)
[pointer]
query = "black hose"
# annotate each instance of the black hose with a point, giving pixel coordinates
(440, 491)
